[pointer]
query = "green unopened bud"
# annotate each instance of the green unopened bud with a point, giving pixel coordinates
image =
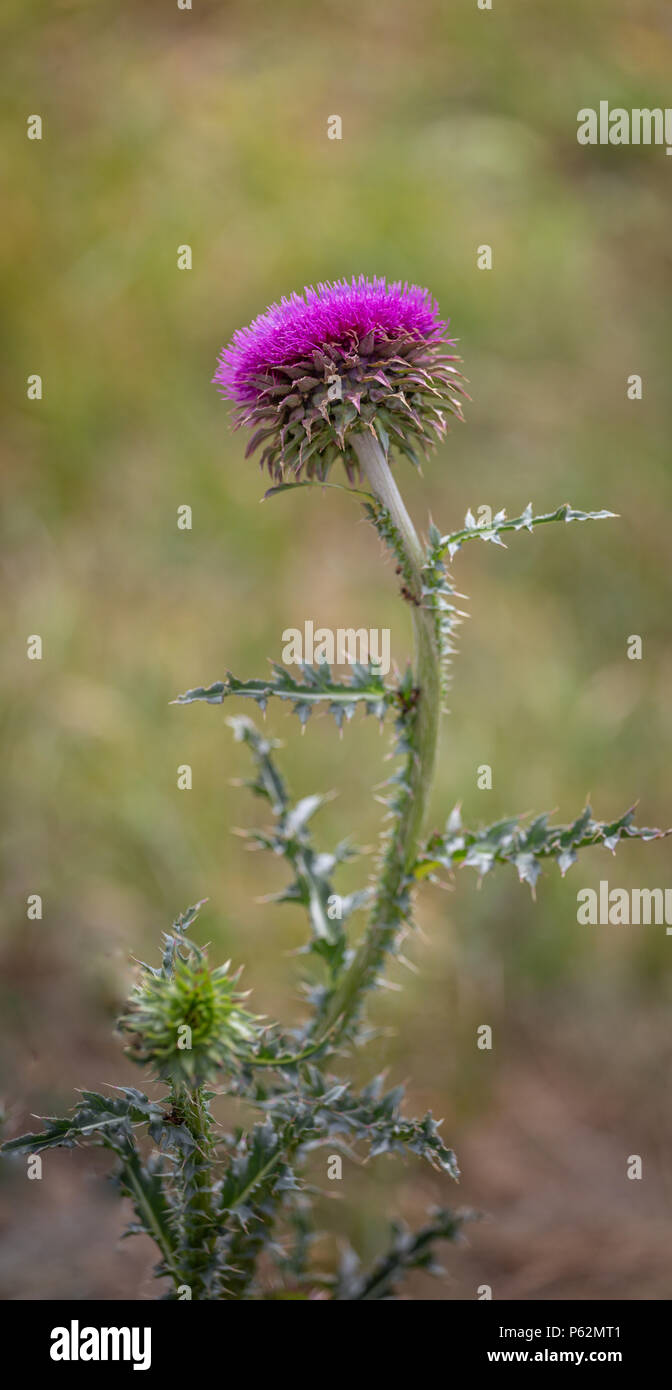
(188, 1023)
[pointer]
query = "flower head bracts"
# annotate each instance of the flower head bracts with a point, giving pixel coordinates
(345, 357)
(188, 1022)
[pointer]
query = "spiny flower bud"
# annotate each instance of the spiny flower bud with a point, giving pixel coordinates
(188, 1022)
(339, 359)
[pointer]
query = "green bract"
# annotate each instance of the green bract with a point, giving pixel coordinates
(190, 1024)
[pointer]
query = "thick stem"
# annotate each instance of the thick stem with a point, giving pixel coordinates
(198, 1228)
(387, 912)
(427, 663)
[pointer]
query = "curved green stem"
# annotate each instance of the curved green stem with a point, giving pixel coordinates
(291, 1059)
(389, 903)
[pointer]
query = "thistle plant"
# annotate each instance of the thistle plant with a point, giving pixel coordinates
(363, 374)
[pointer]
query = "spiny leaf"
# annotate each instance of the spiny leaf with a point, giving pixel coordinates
(325, 1107)
(144, 1184)
(96, 1119)
(257, 1157)
(269, 783)
(365, 686)
(525, 846)
(409, 1250)
(291, 487)
(453, 542)
(256, 1180)
(173, 939)
(312, 885)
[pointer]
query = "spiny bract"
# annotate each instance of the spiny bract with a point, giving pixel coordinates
(345, 357)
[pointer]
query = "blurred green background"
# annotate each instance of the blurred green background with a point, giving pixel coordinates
(209, 127)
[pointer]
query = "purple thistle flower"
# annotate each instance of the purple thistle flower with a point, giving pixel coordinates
(342, 358)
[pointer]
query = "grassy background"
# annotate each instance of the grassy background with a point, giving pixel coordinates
(209, 127)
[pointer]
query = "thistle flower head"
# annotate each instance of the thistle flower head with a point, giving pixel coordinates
(187, 1022)
(346, 357)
